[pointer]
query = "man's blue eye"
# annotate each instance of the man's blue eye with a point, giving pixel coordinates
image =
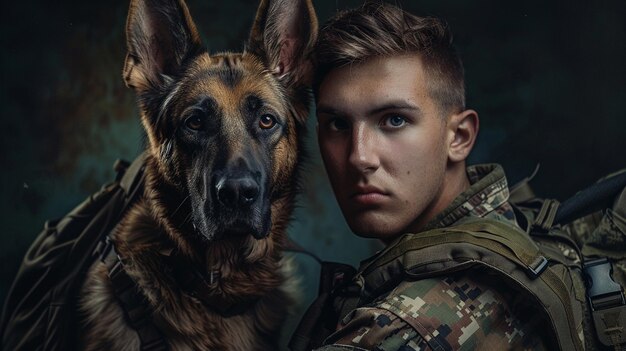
(396, 121)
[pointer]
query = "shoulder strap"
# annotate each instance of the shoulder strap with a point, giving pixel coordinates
(133, 174)
(336, 297)
(506, 250)
(137, 308)
(497, 236)
(130, 178)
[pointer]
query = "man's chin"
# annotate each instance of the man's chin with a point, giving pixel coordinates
(374, 229)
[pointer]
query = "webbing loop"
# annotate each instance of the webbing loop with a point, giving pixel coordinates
(546, 216)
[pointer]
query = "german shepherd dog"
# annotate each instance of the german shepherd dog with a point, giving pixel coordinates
(224, 138)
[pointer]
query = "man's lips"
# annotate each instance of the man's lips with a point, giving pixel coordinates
(369, 195)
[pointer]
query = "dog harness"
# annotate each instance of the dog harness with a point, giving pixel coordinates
(137, 308)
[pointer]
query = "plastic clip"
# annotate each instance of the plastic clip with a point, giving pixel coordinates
(607, 302)
(537, 268)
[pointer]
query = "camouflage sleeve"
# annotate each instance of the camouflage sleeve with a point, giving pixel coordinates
(374, 329)
(453, 313)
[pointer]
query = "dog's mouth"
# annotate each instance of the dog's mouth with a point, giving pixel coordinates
(241, 228)
(232, 226)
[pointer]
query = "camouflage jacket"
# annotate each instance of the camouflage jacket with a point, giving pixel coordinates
(463, 311)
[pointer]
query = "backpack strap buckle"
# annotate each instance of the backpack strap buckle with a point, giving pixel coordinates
(103, 248)
(603, 291)
(607, 302)
(540, 265)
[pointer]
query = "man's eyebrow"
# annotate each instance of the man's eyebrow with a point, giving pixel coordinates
(395, 105)
(390, 105)
(328, 110)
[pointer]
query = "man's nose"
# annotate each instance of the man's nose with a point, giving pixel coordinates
(363, 155)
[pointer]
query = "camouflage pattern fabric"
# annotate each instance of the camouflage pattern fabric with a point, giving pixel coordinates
(463, 311)
(486, 198)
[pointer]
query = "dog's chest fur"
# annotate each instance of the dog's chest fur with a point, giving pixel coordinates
(191, 326)
(186, 322)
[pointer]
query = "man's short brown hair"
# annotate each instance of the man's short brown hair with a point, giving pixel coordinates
(378, 29)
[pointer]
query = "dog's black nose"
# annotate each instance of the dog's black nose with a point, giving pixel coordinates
(237, 192)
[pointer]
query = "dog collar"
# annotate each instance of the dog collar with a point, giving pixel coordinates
(203, 286)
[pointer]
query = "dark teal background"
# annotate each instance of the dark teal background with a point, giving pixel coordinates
(547, 78)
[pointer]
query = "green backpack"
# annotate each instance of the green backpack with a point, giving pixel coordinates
(573, 272)
(40, 311)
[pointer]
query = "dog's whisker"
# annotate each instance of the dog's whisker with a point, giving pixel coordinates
(181, 204)
(187, 219)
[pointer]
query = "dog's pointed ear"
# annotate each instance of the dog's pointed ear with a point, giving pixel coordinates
(283, 35)
(160, 35)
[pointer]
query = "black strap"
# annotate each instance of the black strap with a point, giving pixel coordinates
(132, 175)
(309, 325)
(137, 308)
(202, 286)
(337, 292)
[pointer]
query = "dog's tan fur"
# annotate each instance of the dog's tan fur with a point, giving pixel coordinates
(275, 67)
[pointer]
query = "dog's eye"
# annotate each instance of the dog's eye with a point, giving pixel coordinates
(267, 121)
(194, 122)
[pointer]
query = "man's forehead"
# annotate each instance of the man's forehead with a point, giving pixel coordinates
(374, 84)
(381, 65)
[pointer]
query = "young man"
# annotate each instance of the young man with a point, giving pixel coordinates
(394, 134)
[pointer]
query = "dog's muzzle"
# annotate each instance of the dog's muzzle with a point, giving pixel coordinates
(242, 207)
(237, 192)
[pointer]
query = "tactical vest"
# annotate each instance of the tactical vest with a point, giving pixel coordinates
(542, 262)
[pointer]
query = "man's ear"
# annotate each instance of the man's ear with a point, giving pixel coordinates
(160, 35)
(283, 36)
(463, 130)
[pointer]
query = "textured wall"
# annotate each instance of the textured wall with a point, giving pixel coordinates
(547, 78)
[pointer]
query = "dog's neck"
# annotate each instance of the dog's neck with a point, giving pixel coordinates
(203, 285)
